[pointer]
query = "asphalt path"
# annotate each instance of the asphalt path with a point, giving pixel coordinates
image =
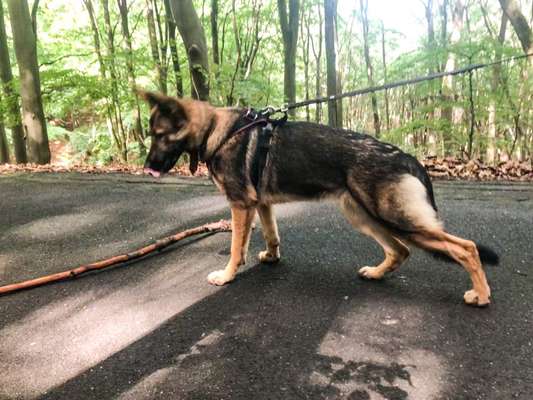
(306, 328)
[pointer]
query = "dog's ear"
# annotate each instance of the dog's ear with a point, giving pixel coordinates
(193, 161)
(169, 108)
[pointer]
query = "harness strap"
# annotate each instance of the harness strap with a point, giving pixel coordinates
(261, 154)
(263, 140)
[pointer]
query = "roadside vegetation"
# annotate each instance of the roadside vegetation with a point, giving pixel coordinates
(69, 69)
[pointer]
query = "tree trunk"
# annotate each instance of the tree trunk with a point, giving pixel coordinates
(450, 113)
(492, 150)
(214, 31)
(138, 129)
(30, 86)
(330, 15)
(525, 35)
(237, 36)
(520, 25)
(173, 49)
(193, 36)
(4, 150)
(318, 59)
(12, 120)
(289, 32)
(121, 137)
(154, 46)
(111, 126)
(163, 44)
(385, 79)
(306, 37)
(433, 66)
(369, 69)
(443, 31)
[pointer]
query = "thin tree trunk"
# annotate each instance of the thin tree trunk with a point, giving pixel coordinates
(253, 39)
(173, 49)
(193, 37)
(154, 46)
(384, 59)
(111, 126)
(289, 32)
(237, 36)
(330, 13)
(492, 150)
(338, 69)
(450, 112)
(4, 149)
(369, 69)
(214, 31)
(110, 56)
(318, 59)
(12, 120)
(431, 139)
(163, 43)
(306, 36)
(30, 85)
(138, 129)
(443, 31)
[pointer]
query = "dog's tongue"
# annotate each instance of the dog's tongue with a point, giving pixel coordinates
(150, 171)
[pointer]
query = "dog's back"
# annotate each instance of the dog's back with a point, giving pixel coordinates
(313, 161)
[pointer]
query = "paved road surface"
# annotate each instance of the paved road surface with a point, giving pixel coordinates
(306, 328)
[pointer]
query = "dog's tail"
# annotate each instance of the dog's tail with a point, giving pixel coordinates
(486, 255)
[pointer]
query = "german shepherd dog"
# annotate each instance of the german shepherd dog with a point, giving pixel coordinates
(383, 192)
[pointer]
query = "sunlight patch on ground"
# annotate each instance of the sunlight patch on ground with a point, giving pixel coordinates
(196, 207)
(47, 228)
(61, 340)
(373, 354)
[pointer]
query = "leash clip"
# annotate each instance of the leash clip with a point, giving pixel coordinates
(251, 114)
(267, 111)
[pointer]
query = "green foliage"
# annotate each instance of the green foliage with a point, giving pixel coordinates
(79, 94)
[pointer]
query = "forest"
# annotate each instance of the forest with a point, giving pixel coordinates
(70, 69)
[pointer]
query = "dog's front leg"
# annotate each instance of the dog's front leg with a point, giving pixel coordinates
(241, 224)
(270, 233)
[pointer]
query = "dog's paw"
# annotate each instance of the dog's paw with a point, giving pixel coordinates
(220, 277)
(370, 273)
(267, 257)
(473, 298)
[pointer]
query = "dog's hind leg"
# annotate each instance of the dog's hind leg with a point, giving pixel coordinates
(270, 233)
(241, 227)
(395, 251)
(462, 251)
(407, 204)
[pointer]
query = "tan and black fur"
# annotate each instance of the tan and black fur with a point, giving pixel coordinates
(383, 192)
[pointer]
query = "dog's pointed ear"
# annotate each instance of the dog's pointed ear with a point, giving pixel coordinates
(193, 161)
(168, 106)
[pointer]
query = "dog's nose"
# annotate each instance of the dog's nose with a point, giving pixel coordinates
(150, 171)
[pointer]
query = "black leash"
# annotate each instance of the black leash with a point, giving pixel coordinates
(371, 89)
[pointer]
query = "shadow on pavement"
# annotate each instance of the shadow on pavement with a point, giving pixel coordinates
(257, 338)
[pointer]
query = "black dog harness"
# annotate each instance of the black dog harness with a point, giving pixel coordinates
(251, 119)
(264, 139)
